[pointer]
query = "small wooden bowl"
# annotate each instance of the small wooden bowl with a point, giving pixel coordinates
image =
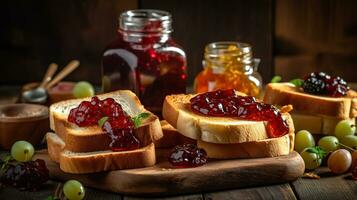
(27, 122)
(60, 92)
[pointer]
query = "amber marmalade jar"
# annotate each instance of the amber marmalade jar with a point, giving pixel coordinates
(229, 65)
(145, 59)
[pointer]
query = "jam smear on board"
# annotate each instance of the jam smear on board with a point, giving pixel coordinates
(226, 103)
(187, 155)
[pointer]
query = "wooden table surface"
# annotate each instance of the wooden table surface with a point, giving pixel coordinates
(329, 186)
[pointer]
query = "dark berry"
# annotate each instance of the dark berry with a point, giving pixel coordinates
(336, 87)
(322, 83)
(25, 175)
(187, 155)
(315, 83)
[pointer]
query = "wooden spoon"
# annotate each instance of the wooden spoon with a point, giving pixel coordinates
(52, 68)
(62, 74)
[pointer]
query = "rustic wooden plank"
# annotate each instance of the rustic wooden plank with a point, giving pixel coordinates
(282, 191)
(164, 180)
(184, 197)
(197, 23)
(315, 36)
(329, 186)
(54, 188)
(59, 30)
(10, 193)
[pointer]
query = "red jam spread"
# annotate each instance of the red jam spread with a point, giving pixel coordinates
(226, 103)
(187, 155)
(118, 125)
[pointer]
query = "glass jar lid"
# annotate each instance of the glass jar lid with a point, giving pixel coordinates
(226, 51)
(145, 21)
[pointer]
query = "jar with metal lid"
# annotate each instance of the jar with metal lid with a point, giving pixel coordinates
(145, 59)
(229, 65)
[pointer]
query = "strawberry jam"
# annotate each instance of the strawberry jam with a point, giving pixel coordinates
(118, 125)
(187, 155)
(226, 103)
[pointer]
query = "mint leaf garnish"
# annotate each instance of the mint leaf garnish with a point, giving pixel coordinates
(138, 119)
(318, 151)
(102, 121)
(275, 79)
(297, 82)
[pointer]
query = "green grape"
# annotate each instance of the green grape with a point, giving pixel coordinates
(303, 139)
(328, 143)
(83, 89)
(312, 160)
(339, 161)
(22, 151)
(73, 190)
(343, 128)
(350, 141)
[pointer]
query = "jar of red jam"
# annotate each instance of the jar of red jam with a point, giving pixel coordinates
(145, 59)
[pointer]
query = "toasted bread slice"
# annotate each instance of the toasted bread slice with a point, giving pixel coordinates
(225, 130)
(316, 124)
(88, 139)
(284, 94)
(89, 162)
(271, 147)
(171, 137)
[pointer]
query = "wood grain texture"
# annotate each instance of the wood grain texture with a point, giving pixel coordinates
(59, 31)
(184, 197)
(329, 186)
(318, 35)
(55, 189)
(197, 23)
(282, 191)
(162, 179)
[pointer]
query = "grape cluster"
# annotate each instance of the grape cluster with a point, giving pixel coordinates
(323, 84)
(25, 175)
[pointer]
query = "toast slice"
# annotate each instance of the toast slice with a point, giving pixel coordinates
(89, 139)
(223, 130)
(171, 137)
(89, 162)
(270, 147)
(284, 94)
(316, 124)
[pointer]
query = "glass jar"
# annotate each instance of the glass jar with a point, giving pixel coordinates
(229, 65)
(145, 59)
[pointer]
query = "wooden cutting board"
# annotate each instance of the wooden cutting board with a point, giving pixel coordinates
(162, 179)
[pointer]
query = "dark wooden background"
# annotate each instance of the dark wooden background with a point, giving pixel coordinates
(291, 37)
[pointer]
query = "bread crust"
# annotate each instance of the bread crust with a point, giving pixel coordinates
(92, 138)
(171, 137)
(317, 124)
(271, 147)
(80, 163)
(284, 94)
